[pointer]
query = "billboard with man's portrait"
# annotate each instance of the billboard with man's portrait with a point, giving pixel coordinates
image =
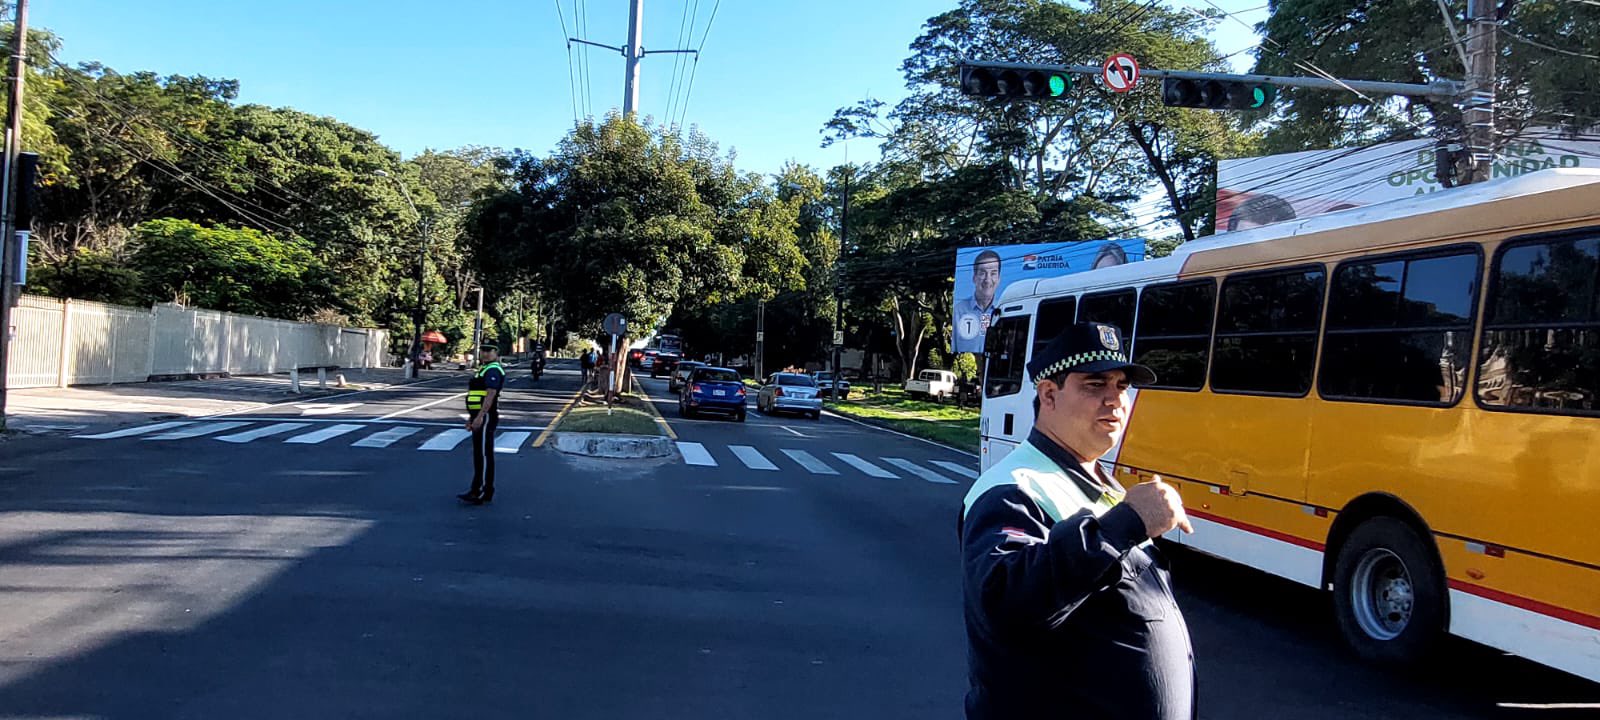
(982, 274)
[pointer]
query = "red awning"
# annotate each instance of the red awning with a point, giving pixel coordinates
(434, 336)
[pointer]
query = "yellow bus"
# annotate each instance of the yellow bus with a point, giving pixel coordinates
(1399, 404)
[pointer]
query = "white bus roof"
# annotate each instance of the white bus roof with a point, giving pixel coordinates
(1544, 181)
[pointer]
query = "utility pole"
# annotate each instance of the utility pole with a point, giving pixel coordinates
(477, 333)
(10, 259)
(1478, 108)
(838, 294)
(761, 336)
(632, 54)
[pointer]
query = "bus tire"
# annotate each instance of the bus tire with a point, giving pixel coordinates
(1389, 593)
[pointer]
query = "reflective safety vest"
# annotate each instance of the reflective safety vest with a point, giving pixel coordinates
(477, 389)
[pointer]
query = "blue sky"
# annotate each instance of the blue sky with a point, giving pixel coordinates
(495, 72)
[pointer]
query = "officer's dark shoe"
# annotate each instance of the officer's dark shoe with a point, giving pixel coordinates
(470, 498)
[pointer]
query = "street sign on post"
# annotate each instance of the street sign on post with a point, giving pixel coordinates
(838, 337)
(615, 324)
(1120, 72)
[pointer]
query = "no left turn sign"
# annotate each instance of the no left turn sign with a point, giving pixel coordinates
(1120, 73)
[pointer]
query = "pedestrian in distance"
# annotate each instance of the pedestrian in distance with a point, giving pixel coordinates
(1068, 604)
(483, 418)
(586, 363)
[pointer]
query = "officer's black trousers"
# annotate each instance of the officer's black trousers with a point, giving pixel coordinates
(483, 456)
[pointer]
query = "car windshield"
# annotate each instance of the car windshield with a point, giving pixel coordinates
(824, 376)
(717, 376)
(932, 375)
(795, 381)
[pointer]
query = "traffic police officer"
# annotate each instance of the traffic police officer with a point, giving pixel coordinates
(483, 417)
(1069, 608)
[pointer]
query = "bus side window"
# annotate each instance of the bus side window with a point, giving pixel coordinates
(1174, 336)
(1054, 316)
(1541, 330)
(1267, 332)
(1006, 347)
(1112, 308)
(1400, 328)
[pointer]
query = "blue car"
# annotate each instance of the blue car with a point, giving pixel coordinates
(713, 389)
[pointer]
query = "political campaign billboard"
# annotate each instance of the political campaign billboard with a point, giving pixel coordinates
(983, 273)
(1263, 190)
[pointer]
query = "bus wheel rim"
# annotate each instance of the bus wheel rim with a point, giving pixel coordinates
(1382, 594)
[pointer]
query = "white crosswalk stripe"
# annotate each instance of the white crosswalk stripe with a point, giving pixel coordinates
(810, 462)
(387, 437)
(696, 454)
(752, 458)
(197, 430)
(261, 432)
(864, 466)
(919, 471)
(446, 440)
(510, 442)
(323, 434)
(962, 470)
(130, 432)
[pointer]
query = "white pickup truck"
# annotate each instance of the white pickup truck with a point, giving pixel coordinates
(936, 384)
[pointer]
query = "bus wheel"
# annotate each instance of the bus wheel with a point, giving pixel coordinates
(1388, 592)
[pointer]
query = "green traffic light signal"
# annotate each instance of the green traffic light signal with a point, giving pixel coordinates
(1058, 85)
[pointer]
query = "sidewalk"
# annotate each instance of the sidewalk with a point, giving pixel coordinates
(46, 411)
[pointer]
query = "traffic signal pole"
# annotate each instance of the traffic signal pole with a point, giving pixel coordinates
(9, 252)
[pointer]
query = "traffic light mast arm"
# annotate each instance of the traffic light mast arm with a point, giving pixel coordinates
(1450, 90)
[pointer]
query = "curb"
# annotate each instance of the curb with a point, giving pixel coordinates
(601, 445)
(889, 429)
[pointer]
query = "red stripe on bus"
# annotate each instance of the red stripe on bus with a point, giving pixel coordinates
(1531, 605)
(1258, 530)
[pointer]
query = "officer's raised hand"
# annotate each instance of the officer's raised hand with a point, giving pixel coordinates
(1159, 506)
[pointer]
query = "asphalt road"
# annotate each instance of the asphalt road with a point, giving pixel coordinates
(311, 561)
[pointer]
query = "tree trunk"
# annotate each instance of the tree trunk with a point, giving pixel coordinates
(1164, 173)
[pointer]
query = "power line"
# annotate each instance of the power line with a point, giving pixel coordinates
(581, 21)
(684, 108)
(677, 59)
(1551, 48)
(572, 84)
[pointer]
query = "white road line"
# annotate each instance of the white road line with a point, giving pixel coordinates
(752, 458)
(387, 437)
(262, 432)
(403, 411)
(197, 430)
(962, 470)
(919, 471)
(510, 442)
(130, 432)
(696, 454)
(317, 436)
(446, 440)
(865, 466)
(793, 431)
(810, 462)
(327, 408)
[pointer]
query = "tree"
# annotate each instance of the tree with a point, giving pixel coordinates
(234, 269)
(1547, 68)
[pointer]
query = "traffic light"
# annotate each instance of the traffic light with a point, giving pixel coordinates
(1004, 82)
(1217, 94)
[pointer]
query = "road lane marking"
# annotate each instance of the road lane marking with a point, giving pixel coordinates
(446, 440)
(130, 432)
(696, 454)
(539, 442)
(752, 458)
(198, 430)
(962, 470)
(919, 471)
(794, 432)
(262, 432)
(510, 442)
(327, 408)
(810, 462)
(403, 411)
(865, 466)
(387, 437)
(322, 434)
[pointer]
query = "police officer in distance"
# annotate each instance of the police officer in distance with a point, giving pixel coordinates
(483, 418)
(1069, 608)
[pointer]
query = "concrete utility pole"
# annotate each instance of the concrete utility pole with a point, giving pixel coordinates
(632, 54)
(1478, 105)
(10, 254)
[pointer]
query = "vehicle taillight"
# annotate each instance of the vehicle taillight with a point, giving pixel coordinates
(777, 392)
(741, 389)
(695, 388)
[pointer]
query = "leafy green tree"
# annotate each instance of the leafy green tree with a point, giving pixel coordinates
(235, 269)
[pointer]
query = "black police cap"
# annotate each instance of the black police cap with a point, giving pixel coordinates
(1088, 348)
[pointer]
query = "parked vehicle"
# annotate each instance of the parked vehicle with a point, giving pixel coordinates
(825, 384)
(713, 389)
(936, 384)
(790, 392)
(680, 375)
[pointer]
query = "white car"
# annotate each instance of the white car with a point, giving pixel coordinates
(936, 384)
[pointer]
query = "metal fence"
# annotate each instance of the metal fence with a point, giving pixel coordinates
(76, 342)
